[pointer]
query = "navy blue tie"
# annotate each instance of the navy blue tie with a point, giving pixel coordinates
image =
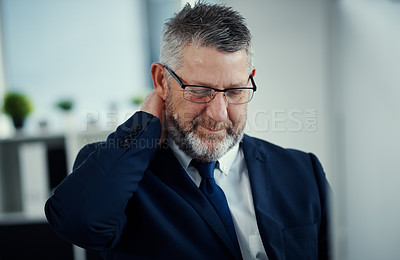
(216, 196)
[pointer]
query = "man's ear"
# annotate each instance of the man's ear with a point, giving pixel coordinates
(253, 72)
(159, 80)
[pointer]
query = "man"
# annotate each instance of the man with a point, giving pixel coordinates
(148, 191)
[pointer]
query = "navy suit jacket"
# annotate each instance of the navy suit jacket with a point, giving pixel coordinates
(131, 199)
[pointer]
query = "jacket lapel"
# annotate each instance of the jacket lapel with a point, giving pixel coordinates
(260, 180)
(178, 180)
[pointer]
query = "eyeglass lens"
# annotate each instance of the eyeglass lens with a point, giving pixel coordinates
(199, 94)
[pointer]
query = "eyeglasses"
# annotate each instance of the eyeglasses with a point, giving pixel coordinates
(203, 94)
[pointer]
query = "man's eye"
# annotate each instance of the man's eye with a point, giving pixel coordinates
(235, 92)
(200, 91)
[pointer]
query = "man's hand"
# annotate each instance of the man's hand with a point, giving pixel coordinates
(154, 104)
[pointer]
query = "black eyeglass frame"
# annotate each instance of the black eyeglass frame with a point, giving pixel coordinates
(183, 86)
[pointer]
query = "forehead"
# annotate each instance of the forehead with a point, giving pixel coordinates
(205, 64)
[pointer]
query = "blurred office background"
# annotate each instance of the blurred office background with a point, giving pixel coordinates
(328, 83)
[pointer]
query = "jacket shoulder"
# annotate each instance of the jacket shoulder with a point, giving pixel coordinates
(269, 147)
(283, 157)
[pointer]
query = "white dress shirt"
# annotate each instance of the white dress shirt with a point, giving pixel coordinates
(232, 176)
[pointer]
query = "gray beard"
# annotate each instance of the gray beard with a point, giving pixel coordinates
(210, 148)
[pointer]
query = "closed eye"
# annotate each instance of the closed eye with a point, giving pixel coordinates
(235, 92)
(199, 91)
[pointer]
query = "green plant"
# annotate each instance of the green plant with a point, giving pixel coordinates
(17, 105)
(65, 105)
(137, 100)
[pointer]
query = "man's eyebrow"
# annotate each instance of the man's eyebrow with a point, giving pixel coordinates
(195, 83)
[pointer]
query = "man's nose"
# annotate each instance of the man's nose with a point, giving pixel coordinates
(217, 108)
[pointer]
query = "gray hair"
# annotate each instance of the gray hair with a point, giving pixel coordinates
(209, 25)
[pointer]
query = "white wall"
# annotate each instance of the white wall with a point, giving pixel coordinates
(2, 80)
(5, 124)
(366, 83)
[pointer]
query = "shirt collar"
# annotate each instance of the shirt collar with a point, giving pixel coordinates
(183, 159)
(224, 163)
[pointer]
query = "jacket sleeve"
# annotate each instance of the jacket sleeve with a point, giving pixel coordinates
(87, 208)
(324, 244)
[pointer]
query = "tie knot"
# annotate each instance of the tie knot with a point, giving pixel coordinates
(206, 169)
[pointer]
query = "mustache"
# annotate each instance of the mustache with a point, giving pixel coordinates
(211, 124)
